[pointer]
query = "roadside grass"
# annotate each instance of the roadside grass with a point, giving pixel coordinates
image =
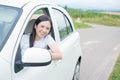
(109, 21)
(81, 25)
(115, 75)
(94, 17)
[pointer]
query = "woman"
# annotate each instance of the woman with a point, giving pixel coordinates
(39, 37)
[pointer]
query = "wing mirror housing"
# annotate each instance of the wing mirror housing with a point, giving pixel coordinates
(36, 57)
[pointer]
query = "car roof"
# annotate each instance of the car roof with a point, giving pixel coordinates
(22, 3)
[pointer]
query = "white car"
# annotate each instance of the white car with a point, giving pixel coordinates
(16, 19)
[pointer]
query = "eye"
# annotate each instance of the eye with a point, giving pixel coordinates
(48, 28)
(42, 26)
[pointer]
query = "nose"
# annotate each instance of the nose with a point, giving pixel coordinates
(44, 29)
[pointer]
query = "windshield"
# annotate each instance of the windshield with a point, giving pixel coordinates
(8, 18)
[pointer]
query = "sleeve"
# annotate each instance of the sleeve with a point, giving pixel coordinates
(24, 43)
(50, 40)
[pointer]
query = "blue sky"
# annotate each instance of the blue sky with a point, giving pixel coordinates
(90, 4)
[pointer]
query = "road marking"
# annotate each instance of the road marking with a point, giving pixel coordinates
(90, 42)
(116, 47)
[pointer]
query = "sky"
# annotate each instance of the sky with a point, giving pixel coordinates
(90, 4)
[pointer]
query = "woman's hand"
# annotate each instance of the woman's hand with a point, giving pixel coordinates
(55, 52)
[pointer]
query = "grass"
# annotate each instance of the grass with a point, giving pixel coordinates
(115, 75)
(105, 20)
(81, 25)
(93, 17)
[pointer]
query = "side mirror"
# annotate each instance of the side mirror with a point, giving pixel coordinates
(36, 57)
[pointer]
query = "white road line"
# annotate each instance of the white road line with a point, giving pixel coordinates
(90, 42)
(116, 47)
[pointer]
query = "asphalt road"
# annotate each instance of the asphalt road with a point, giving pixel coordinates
(100, 47)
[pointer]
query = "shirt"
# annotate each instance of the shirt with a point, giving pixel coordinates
(42, 43)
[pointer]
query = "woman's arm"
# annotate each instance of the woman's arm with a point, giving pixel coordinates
(55, 51)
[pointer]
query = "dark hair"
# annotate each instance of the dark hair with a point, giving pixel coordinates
(33, 33)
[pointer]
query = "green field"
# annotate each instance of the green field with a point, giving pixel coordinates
(93, 17)
(115, 75)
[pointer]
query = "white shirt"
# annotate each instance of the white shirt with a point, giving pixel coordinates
(42, 43)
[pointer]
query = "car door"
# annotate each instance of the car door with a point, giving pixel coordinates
(69, 44)
(19, 72)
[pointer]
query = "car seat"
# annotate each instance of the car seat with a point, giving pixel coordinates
(29, 26)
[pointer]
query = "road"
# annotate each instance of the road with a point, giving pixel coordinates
(100, 47)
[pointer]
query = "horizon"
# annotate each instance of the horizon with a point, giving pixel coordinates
(109, 5)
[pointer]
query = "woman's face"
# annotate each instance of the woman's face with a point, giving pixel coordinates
(42, 29)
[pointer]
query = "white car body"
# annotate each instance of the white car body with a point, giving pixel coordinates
(10, 57)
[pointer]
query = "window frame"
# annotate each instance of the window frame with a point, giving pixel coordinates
(66, 22)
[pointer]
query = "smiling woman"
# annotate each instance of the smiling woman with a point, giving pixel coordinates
(40, 38)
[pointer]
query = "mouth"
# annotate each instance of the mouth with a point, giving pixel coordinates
(42, 33)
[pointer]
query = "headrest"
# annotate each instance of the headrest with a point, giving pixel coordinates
(29, 26)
